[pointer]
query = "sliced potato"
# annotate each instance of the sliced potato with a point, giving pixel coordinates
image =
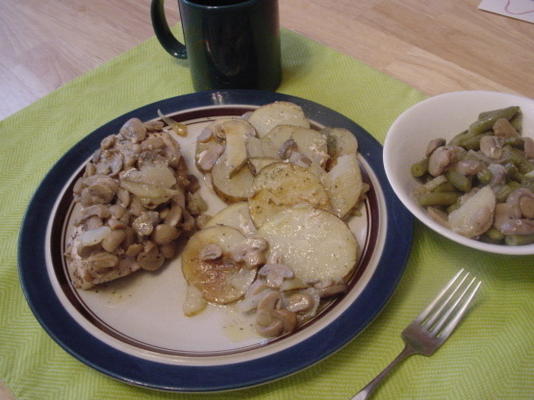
(314, 243)
(257, 164)
(232, 134)
(344, 184)
(257, 148)
(312, 144)
(216, 279)
(236, 151)
(281, 185)
(270, 115)
(231, 188)
(341, 141)
(278, 136)
(236, 216)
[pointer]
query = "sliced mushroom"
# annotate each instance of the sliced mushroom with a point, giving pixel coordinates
(468, 167)
(433, 145)
(99, 210)
(330, 288)
(165, 234)
(288, 318)
(207, 158)
(110, 163)
(275, 274)
(107, 142)
(300, 301)
(442, 157)
(249, 252)
(144, 224)
(101, 261)
(174, 215)
(211, 252)
(528, 147)
(93, 236)
(134, 249)
(491, 147)
(205, 135)
(299, 159)
(113, 240)
(498, 174)
(520, 226)
(503, 128)
(133, 130)
(287, 148)
(150, 259)
(267, 323)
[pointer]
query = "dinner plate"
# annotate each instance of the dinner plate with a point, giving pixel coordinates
(134, 330)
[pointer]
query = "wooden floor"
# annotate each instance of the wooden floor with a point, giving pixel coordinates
(435, 46)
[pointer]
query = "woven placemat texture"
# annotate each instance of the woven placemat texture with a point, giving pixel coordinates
(491, 356)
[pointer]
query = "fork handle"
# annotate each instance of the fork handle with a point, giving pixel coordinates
(366, 392)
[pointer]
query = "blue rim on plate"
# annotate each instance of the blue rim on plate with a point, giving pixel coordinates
(77, 341)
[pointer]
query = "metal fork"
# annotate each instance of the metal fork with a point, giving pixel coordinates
(433, 326)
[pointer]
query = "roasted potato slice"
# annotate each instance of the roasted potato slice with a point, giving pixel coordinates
(314, 243)
(259, 148)
(344, 185)
(236, 216)
(231, 188)
(340, 141)
(222, 280)
(281, 185)
(312, 144)
(258, 163)
(278, 136)
(270, 115)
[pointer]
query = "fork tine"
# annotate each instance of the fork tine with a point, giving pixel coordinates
(438, 298)
(445, 304)
(450, 308)
(449, 328)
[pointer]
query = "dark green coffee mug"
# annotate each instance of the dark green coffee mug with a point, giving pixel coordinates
(230, 44)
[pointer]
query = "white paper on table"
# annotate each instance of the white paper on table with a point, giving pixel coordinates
(520, 9)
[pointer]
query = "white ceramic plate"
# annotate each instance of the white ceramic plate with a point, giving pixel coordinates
(134, 329)
(444, 116)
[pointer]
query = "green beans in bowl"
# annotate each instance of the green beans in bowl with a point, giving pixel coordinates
(463, 164)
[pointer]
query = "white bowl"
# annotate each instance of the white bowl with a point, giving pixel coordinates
(444, 116)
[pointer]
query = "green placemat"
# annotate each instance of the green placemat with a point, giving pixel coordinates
(491, 355)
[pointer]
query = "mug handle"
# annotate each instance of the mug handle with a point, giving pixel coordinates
(163, 32)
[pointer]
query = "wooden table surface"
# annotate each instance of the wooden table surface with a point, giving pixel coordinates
(435, 46)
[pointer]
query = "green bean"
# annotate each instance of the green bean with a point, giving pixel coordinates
(517, 157)
(492, 236)
(472, 142)
(487, 119)
(517, 121)
(484, 176)
(507, 112)
(517, 240)
(514, 141)
(445, 187)
(455, 141)
(503, 193)
(459, 181)
(438, 198)
(419, 168)
(512, 173)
